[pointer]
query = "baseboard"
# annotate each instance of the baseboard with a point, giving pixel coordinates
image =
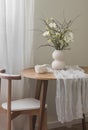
(56, 124)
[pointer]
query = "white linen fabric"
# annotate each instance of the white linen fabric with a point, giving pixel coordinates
(71, 93)
(16, 47)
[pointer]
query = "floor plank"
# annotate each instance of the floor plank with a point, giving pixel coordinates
(74, 127)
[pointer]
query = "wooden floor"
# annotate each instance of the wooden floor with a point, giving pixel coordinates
(75, 127)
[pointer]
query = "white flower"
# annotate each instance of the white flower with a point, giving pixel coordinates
(57, 34)
(52, 25)
(68, 37)
(46, 33)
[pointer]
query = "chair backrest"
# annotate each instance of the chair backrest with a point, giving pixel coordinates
(9, 78)
(2, 70)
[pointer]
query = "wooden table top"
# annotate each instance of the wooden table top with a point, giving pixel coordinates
(30, 73)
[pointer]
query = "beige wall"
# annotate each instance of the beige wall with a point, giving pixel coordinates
(55, 8)
(79, 50)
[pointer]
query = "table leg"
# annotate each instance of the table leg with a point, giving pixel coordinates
(37, 96)
(42, 103)
(84, 122)
(38, 89)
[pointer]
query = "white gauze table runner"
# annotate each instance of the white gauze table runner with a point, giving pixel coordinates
(71, 93)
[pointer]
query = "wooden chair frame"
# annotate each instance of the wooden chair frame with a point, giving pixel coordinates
(33, 113)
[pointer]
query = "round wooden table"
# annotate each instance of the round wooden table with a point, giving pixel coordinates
(41, 87)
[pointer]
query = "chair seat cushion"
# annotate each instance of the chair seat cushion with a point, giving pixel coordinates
(23, 104)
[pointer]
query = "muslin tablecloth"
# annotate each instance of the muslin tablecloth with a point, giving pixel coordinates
(71, 93)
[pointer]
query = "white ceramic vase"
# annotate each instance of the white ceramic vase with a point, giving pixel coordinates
(58, 62)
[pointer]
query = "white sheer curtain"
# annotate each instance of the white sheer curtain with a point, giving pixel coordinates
(16, 43)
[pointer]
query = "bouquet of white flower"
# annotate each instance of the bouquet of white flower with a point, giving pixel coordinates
(59, 35)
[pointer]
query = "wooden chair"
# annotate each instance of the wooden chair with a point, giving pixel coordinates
(29, 106)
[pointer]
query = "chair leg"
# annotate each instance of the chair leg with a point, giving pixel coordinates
(9, 124)
(44, 127)
(32, 122)
(84, 122)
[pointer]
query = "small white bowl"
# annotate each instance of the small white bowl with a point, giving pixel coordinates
(41, 68)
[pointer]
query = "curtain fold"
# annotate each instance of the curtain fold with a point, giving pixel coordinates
(16, 46)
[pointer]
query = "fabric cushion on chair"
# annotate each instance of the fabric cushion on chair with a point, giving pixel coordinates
(23, 104)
